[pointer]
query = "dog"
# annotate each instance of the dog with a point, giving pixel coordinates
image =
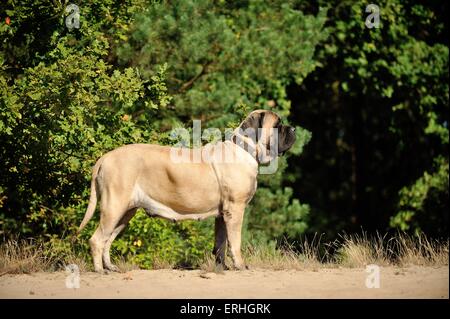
(147, 176)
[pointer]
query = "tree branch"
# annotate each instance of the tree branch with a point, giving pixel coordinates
(189, 83)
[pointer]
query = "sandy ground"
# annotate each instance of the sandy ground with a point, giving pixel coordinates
(411, 282)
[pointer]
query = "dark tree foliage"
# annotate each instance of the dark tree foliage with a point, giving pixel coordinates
(378, 110)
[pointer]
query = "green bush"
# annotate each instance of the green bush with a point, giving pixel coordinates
(152, 240)
(428, 193)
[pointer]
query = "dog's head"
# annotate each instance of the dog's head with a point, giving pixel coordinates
(264, 136)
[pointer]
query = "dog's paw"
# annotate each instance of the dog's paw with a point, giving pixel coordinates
(101, 271)
(218, 268)
(241, 267)
(112, 268)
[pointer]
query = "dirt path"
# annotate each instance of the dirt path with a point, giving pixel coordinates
(413, 282)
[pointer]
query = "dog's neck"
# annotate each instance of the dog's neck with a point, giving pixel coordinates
(246, 143)
(256, 150)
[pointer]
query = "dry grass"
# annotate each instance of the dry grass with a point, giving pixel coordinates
(285, 256)
(359, 251)
(351, 251)
(261, 257)
(160, 263)
(422, 251)
(275, 258)
(24, 256)
(125, 265)
(82, 264)
(268, 257)
(401, 250)
(28, 256)
(209, 265)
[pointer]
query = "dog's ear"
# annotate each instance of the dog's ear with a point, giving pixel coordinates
(251, 126)
(286, 138)
(254, 120)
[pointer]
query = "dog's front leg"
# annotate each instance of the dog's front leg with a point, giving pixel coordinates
(233, 218)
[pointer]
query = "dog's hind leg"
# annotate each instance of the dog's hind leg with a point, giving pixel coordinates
(106, 250)
(220, 244)
(110, 217)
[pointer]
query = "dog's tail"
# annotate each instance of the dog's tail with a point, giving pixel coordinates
(93, 199)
